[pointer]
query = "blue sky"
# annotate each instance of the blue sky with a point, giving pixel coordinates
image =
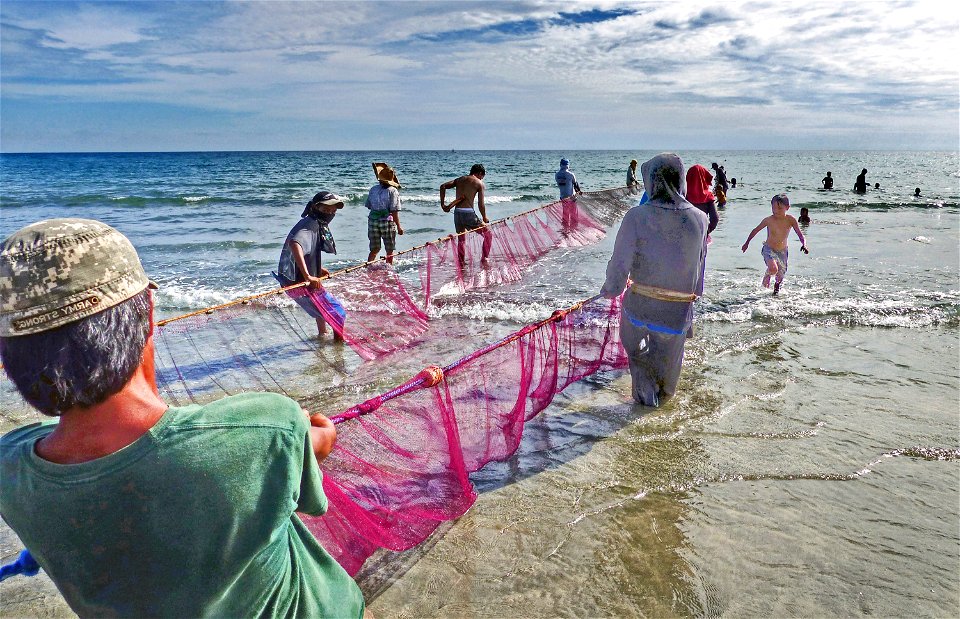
(169, 76)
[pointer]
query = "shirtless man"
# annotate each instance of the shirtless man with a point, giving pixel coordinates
(774, 250)
(464, 217)
(860, 186)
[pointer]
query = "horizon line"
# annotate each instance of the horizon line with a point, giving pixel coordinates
(482, 150)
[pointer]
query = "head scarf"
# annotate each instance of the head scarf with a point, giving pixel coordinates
(698, 185)
(657, 182)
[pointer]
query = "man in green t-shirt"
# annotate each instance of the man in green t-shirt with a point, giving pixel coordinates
(134, 508)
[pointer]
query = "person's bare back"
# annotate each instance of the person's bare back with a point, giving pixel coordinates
(468, 187)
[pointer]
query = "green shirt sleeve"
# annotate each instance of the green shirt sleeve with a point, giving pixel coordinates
(312, 499)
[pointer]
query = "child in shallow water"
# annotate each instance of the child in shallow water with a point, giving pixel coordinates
(774, 250)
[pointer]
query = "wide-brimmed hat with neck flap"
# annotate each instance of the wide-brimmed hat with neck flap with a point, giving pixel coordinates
(323, 198)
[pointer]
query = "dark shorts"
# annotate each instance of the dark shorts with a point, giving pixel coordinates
(385, 229)
(466, 220)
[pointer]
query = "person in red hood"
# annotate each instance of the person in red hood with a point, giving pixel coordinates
(699, 194)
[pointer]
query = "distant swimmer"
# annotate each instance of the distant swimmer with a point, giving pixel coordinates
(916, 192)
(774, 250)
(861, 185)
(804, 219)
(632, 174)
(464, 217)
(876, 185)
(733, 183)
(828, 181)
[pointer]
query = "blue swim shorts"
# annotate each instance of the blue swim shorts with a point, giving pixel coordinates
(780, 257)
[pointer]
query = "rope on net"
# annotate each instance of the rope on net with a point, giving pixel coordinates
(432, 374)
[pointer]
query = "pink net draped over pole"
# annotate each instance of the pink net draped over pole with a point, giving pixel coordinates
(402, 461)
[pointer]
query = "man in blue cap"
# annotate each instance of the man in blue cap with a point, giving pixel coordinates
(569, 188)
(566, 180)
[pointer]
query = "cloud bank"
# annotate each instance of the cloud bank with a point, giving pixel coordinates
(142, 76)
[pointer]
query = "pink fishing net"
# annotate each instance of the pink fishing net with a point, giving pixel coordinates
(402, 461)
(261, 345)
(380, 315)
(403, 458)
(500, 252)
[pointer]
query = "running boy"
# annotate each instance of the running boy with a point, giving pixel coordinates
(774, 249)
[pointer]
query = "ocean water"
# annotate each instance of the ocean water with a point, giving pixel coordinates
(808, 466)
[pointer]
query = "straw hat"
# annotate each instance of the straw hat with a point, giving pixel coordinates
(386, 174)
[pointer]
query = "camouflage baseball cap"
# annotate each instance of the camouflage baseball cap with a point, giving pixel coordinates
(58, 271)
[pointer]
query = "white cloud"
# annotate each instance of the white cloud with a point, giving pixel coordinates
(747, 66)
(87, 27)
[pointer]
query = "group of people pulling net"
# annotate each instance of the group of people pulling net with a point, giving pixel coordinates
(377, 309)
(403, 456)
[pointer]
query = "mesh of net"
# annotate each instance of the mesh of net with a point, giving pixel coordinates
(402, 461)
(257, 345)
